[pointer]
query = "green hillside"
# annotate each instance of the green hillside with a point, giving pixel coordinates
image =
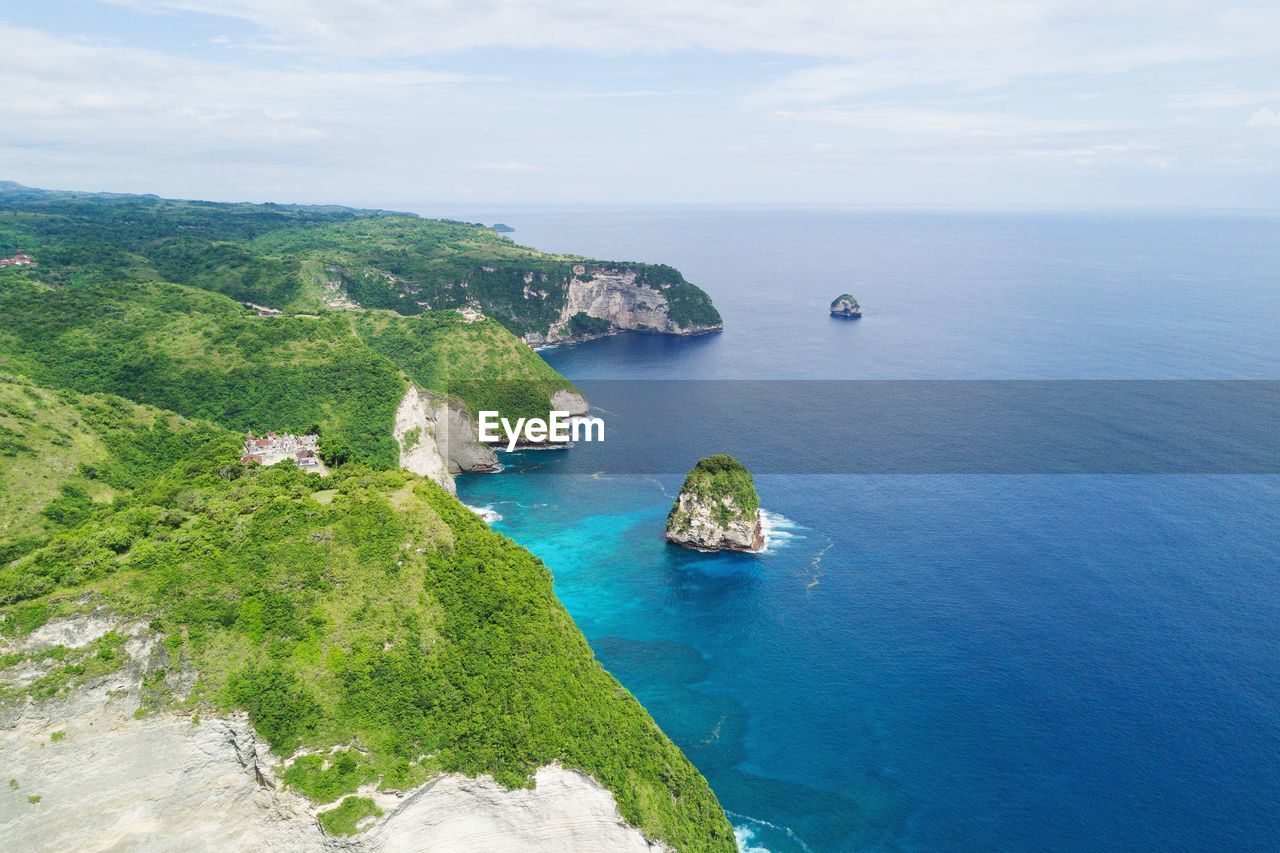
(481, 364)
(300, 259)
(204, 356)
(368, 608)
(201, 355)
(64, 456)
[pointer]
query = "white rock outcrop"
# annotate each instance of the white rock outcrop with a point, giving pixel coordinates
(613, 295)
(718, 508)
(570, 401)
(437, 439)
(565, 811)
(169, 782)
(693, 524)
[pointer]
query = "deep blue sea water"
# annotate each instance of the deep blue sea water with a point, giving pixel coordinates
(941, 662)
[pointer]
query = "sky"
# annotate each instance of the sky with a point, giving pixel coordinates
(411, 104)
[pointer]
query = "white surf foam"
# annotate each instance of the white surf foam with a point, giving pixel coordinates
(779, 531)
(744, 836)
(487, 513)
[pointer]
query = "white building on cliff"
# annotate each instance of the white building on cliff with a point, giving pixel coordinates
(271, 448)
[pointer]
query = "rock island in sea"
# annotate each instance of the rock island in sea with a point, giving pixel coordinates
(845, 305)
(718, 508)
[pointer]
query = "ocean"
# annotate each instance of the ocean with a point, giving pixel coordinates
(1017, 660)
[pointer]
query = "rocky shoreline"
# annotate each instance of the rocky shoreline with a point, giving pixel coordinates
(540, 342)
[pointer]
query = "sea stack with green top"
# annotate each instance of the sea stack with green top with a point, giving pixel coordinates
(718, 508)
(845, 305)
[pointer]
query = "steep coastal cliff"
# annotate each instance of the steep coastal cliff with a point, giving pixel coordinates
(565, 400)
(376, 634)
(191, 645)
(437, 439)
(325, 259)
(601, 300)
(100, 762)
(717, 508)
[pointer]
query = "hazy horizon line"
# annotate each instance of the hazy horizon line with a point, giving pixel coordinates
(425, 209)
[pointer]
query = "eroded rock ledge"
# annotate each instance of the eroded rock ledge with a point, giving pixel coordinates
(90, 773)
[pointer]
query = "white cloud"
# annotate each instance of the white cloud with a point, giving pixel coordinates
(64, 90)
(503, 166)
(328, 97)
(942, 123)
(1047, 30)
(1224, 97)
(1265, 117)
(1102, 154)
(862, 46)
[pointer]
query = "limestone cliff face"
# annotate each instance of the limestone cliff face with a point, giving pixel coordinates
(569, 401)
(164, 781)
(698, 523)
(437, 439)
(717, 509)
(614, 295)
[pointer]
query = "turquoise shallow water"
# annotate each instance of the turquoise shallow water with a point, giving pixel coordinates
(928, 662)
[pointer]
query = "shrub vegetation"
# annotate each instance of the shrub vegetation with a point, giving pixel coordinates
(721, 476)
(296, 258)
(383, 636)
(374, 629)
(343, 820)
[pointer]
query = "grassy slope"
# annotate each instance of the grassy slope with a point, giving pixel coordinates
(202, 355)
(283, 256)
(43, 447)
(479, 363)
(64, 456)
(378, 612)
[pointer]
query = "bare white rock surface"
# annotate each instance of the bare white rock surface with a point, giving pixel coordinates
(570, 401)
(693, 524)
(437, 439)
(167, 782)
(614, 295)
